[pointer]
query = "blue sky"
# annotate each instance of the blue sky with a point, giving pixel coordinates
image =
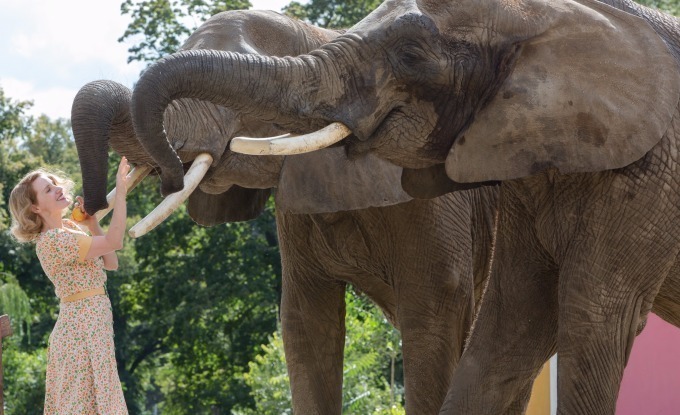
(49, 49)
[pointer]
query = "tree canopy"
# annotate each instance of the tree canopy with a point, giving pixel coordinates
(331, 14)
(668, 6)
(159, 27)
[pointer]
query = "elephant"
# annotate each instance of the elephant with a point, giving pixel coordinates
(423, 262)
(569, 104)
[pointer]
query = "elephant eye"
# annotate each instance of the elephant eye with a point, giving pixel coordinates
(410, 57)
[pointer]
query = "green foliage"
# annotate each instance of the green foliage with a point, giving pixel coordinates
(24, 374)
(159, 27)
(209, 296)
(332, 14)
(268, 380)
(372, 348)
(12, 118)
(51, 141)
(668, 6)
(14, 302)
(26, 295)
(27, 144)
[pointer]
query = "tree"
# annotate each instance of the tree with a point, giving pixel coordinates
(51, 141)
(24, 374)
(163, 25)
(332, 14)
(198, 303)
(25, 293)
(668, 6)
(15, 303)
(372, 349)
(12, 118)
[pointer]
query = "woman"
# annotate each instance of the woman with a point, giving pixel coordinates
(81, 370)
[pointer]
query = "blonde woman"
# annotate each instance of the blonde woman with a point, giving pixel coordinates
(81, 369)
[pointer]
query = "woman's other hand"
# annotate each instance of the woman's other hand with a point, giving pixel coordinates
(121, 177)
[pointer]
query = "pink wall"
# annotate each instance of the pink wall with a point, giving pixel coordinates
(651, 382)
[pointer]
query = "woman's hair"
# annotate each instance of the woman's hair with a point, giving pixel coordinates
(26, 224)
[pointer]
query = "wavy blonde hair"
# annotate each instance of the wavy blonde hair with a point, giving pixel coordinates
(26, 224)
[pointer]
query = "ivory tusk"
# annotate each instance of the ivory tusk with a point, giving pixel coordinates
(288, 145)
(193, 177)
(134, 178)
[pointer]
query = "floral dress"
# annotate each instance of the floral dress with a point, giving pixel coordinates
(81, 369)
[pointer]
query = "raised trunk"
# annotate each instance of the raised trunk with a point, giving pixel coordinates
(269, 88)
(100, 116)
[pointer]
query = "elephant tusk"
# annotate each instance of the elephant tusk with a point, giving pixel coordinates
(288, 144)
(134, 178)
(193, 177)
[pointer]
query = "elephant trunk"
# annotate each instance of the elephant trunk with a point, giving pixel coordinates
(267, 88)
(100, 116)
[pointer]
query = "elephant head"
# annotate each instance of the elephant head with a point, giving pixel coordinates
(468, 90)
(235, 186)
(100, 117)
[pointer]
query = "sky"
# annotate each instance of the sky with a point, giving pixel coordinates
(49, 49)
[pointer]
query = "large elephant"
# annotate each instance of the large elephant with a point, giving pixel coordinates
(570, 104)
(414, 259)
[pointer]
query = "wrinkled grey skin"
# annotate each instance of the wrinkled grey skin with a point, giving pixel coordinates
(413, 260)
(572, 104)
(423, 262)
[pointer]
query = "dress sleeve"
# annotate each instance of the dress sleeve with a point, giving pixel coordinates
(72, 225)
(84, 243)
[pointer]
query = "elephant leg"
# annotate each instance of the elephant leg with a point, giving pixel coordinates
(667, 301)
(515, 330)
(313, 328)
(434, 320)
(602, 309)
(519, 405)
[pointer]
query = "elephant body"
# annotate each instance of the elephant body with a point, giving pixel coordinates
(571, 104)
(577, 295)
(423, 262)
(414, 260)
(605, 246)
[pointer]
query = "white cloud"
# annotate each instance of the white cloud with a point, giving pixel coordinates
(49, 49)
(26, 45)
(52, 101)
(74, 31)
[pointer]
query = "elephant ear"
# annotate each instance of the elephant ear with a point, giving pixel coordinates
(235, 205)
(432, 182)
(327, 181)
(593, 88)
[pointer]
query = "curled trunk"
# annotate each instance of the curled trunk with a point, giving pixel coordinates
(100, 116)
(268, 88)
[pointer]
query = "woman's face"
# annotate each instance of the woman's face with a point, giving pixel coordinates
(50, 198)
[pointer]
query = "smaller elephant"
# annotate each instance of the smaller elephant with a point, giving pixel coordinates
(423, 262)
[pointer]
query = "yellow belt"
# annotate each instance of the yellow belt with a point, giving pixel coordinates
(83, 294)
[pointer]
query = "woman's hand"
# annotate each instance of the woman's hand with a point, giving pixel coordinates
(104, 244)
(121, 177)
(80, 215)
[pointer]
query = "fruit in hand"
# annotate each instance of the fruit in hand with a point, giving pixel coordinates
(77, 214)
